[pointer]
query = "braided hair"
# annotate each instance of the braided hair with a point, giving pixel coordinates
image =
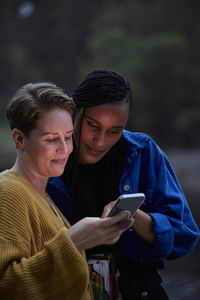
(100, 87)
(97, 88)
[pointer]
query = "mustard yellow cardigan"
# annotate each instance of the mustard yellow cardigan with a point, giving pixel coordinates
(38, 260)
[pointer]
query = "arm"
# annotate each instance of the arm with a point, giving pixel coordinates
(143, 226)
(31, 266)
(172, 222)
(142, 223)
(44, 274)
(39, 257)
(91, 232)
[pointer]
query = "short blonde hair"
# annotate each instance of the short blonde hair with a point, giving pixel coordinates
(33, 99)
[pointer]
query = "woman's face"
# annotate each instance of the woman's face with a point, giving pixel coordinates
(47, 148)
(101, 128)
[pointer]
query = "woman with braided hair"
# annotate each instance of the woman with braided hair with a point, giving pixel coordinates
(108, 161)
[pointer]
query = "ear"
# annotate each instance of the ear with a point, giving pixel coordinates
(18, 138)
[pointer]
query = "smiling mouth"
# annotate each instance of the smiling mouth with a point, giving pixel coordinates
(95, 151)
(60, 161)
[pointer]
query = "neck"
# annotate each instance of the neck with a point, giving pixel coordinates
(38, 182)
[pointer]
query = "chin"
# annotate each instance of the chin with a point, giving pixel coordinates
(57, 173)
(90, 160)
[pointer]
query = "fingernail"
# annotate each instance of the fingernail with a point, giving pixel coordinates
(127, 213)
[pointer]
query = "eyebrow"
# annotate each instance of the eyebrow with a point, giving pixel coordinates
(55, 133)
(119, 127)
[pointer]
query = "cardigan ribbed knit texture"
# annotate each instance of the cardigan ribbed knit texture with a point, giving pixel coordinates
(38, 259)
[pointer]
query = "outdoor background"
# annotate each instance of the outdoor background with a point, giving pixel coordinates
(155, 44)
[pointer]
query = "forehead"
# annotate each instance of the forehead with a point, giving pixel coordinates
(54, 119)
(108, 108)
(112, 110)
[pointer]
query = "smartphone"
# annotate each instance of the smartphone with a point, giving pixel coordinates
(128, 202)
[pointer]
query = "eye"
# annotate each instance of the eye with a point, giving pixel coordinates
(68, 138)
(51, 140)
(92, 125)
(116, 131)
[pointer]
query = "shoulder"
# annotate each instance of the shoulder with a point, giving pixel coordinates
(137, 140)
(14, 190)
(12, 181)
(143, 146)
(9, 181)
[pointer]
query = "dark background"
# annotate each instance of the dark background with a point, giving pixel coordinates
(154, 44)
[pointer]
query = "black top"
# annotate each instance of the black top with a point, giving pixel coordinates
(93, 186)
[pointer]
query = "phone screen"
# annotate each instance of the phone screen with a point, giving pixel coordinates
(129, 202)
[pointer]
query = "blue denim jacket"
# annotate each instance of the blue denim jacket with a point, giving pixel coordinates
(147, 170)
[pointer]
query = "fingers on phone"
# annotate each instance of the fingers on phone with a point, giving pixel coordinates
(125, 213)
(121, 220)
(124, 224)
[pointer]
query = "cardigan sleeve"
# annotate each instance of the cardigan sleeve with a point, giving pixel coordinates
(55, 271)
(50, 273)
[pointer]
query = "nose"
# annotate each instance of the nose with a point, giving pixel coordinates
(63, 147)
(99, 140)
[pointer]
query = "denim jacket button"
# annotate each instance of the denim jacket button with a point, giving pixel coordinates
(144, 295)
(126, 188)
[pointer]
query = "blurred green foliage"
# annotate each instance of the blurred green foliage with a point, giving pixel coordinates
(154, 43)
(7, 149)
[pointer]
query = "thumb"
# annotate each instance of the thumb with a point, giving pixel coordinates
(108, 208)
(123, 215)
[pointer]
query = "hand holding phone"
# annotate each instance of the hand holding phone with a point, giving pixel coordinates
(127, 202)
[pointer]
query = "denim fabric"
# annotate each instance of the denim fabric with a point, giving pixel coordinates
(147, 170)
